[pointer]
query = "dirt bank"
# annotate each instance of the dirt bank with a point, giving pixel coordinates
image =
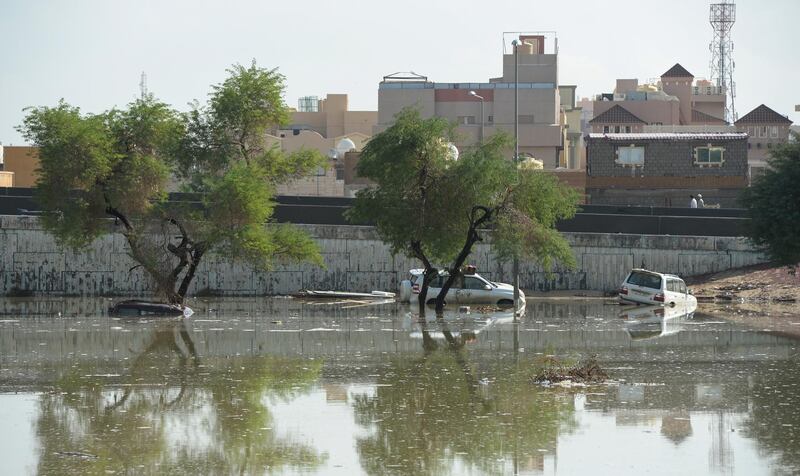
(761, 283)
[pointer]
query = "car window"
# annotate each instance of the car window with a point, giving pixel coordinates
(473, 283)
(681, 287)
(645, 280)
(672, 285)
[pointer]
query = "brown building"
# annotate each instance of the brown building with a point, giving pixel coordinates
(663, 169)
(765, 129)
(18, 165)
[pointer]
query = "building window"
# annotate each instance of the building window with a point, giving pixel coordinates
(749, 145)
(466, 120)
(758, 145)
(526, 119)
(631, 156)
(490, 119)
(628, 129)
(762, 131)
(709, 156)
(769, 145)
(605, 130)
(773, 131)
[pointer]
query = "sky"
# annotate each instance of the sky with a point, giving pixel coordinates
(92, 52)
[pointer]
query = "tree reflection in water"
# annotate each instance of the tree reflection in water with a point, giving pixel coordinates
(173, 412)
(774, 421)
(432, 414)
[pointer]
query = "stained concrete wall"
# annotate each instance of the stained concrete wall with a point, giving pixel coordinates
(356, 260)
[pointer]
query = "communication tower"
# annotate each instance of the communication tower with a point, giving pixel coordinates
(722, 17)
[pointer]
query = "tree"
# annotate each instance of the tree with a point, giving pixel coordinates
(118, 164)
(520, 204)
(773, 204)
(435, 209)
(409, 163)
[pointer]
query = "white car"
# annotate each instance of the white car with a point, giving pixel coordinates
(649, 287)
(467, 289)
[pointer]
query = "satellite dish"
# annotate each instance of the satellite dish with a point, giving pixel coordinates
(452, 151)
(345, 145)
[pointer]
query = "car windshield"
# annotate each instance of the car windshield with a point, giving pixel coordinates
(646, 280)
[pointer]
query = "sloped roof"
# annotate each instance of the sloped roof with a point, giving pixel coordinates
(677, 71)
(763, 115)
(698, 116)
(617, 115)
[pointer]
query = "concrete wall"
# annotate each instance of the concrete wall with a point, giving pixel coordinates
(356, 260)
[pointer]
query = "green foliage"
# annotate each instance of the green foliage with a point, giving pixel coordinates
(408, 162)
(773, 204)
(526, 227)
(118, 163)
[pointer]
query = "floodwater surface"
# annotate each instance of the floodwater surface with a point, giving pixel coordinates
(281, 386)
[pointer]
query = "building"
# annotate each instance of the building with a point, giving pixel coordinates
(18, 166)
(663, 169)
(482, 109)
(331, 117)
(676, 99)
(766, 129)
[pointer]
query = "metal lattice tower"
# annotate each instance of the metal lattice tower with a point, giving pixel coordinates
(722, 17)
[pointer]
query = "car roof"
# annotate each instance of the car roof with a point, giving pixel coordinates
(665, 275)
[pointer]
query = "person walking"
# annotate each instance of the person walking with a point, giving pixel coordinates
(700, 202)
(692, 202)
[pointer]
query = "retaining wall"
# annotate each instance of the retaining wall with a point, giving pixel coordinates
(31, 260)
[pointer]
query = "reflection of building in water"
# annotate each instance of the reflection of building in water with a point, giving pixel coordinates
(335, 393)
(720, 454)
(676, 426)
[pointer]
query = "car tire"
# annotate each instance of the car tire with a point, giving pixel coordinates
(505, 303)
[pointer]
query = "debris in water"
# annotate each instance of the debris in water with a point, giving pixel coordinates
(587, 370)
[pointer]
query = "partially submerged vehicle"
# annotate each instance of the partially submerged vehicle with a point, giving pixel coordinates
(148, 308)
(642, 286)
(469, 288)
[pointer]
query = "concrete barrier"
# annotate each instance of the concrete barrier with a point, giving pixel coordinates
(356, 260)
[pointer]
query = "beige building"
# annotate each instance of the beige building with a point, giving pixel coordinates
(18, 166)
(676, 99)
(765, 129)
(329, 127)
(541, 118)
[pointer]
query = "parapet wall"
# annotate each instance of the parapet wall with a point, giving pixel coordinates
(356, 259)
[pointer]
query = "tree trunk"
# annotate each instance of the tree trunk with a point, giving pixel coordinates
(473, 237)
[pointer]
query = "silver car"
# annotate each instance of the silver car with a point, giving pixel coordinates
(467, 289)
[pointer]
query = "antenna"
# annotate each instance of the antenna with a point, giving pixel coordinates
(143, 85)
(722, 16)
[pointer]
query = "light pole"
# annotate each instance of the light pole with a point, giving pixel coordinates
(475, 95)
(515, 264)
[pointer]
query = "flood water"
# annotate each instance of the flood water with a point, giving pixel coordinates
(279, 386)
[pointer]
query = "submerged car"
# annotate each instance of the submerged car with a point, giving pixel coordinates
(642, 286)
(469, 288)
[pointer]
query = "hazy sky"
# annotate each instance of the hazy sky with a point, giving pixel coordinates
(92, 52)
